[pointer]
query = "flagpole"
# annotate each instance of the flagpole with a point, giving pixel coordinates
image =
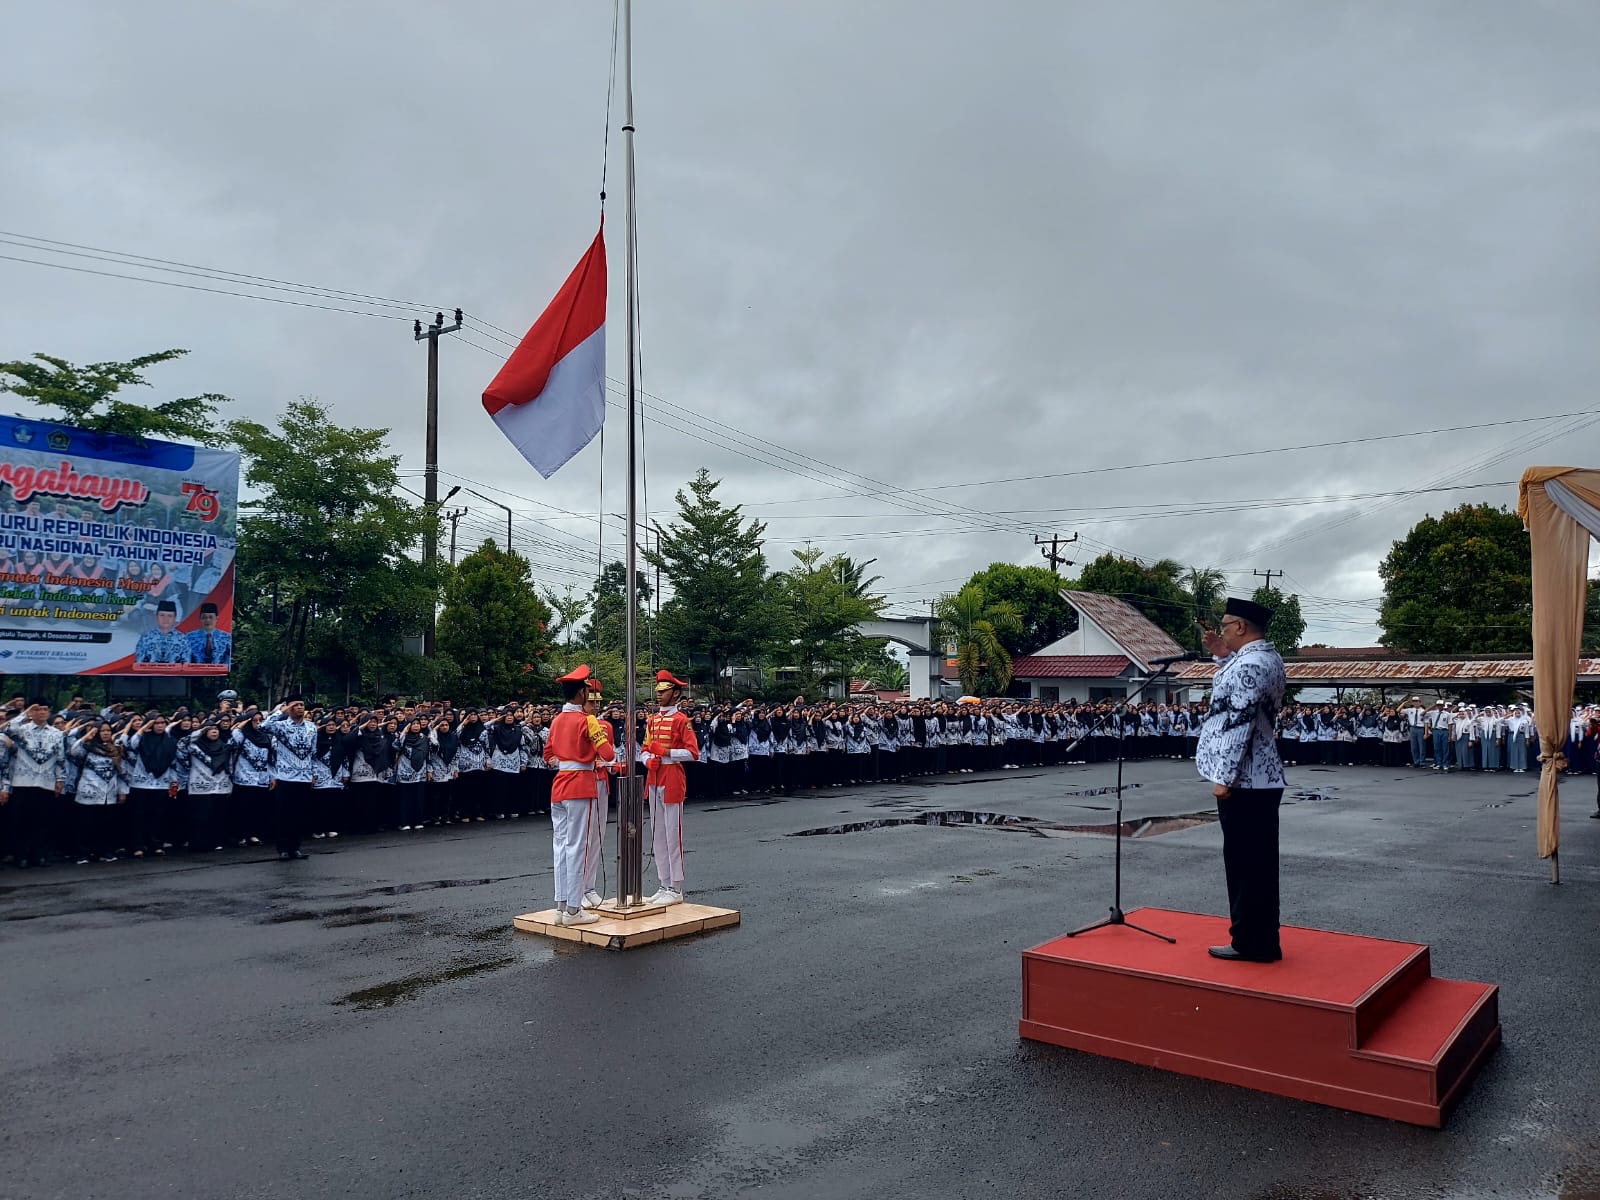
(630, 811)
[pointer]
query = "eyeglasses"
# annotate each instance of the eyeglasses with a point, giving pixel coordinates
(1232, 621)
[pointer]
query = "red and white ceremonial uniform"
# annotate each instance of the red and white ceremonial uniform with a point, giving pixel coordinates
(575, 743)
(669, 743)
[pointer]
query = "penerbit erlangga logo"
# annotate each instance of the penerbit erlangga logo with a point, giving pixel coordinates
(111, 491)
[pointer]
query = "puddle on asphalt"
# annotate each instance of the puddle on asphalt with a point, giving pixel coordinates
(405, 889)
(1298, 795)
(339, 918)
(945, 817)
(381, 917)
(384, 995)
(1140, 828)
(1146, 826)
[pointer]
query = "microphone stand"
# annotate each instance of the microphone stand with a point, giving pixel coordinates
(1117, 917)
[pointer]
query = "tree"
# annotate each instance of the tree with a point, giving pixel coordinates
(494, 626)
(86, 397)
(569, 608)
(723, 604)
(1208, 589)
(326, 583)
(1287, 626)
(824, 600)
(892, 677)
(979, 627)
(1154, 590)
(608, 609)
(1460, 584)
(1035, 593)
(1591, 619)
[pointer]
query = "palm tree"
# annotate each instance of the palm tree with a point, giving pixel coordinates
(1208, 587)
(893, 677)
(976, 625)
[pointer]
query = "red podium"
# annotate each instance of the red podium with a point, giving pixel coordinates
(1344, 1020)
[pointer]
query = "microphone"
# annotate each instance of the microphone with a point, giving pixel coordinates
(1168, 660)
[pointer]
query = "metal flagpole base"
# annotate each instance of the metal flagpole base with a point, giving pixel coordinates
(630, 840)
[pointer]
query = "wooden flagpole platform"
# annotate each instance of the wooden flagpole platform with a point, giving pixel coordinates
(626, 929)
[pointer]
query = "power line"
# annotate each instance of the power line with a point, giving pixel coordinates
(46, 244)
(195, 287)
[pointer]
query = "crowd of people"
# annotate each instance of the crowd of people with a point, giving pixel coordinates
(89, 783)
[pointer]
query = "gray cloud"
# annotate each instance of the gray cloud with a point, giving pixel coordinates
(923, 243)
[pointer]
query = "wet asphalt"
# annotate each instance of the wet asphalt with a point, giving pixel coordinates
(366, 1023)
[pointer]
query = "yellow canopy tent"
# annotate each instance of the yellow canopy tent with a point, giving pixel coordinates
(1561, 508)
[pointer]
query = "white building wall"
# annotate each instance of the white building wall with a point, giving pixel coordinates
(1088, 638)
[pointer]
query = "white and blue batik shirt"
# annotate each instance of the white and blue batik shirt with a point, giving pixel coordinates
(1238, 746)
(296, 745)
(154, 646)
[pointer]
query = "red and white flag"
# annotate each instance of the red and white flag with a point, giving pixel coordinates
(550, 397)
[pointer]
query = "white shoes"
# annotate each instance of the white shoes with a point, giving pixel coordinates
(665, 897)
(591, 899)
(577, 918)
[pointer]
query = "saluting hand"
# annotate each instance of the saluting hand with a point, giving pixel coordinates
(1213, 641)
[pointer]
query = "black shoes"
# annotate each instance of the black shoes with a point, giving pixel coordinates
(1229, 954)
(290, 856)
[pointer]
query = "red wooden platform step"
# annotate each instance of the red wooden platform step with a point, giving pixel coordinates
(1344, 1020)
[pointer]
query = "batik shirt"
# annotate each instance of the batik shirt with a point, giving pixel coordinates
(38, 755)
(1238, 747)
(253, 766)
(221, 646)
(154, 646)
(100, 779)
(296, 746)
(139, 775)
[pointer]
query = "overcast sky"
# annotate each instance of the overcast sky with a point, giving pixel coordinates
(916, 245)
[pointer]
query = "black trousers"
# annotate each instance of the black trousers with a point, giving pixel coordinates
(97, 828)
(290, 803)
(30, 822)
(1249, 818)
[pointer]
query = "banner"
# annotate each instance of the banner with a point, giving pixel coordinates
(116, 555)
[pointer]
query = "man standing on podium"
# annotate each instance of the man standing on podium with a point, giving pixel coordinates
(1238, 754)
(669, 743)
(575, 745)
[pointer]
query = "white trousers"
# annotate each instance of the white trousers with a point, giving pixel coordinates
(666, 826)
(569, 833)
(594, 845)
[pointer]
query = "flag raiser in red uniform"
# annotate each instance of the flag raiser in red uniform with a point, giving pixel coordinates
(550, 397)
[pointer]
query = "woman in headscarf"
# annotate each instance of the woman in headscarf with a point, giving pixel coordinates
(411, 773)
(444, 747)
(252, 775)
(370, 755)
(761, 748)
(533, 792)
(210, 785)
(329, 799)
(783, 751)
(101, 795)
(472, 749)
(738, 782)
(152, 780)
(507, 758)
(182, 727)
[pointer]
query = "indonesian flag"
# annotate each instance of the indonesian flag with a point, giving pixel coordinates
(550, 397)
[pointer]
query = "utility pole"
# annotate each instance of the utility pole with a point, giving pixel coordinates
(1052, 551)
(454, 517)
(1268, 575)
(430, 464)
